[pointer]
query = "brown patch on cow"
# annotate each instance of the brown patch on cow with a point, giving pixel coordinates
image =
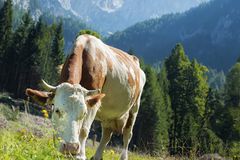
(92, 100)
(40, 97)
(72, 68)
(92, 70)
(80, 68)
(129, 121)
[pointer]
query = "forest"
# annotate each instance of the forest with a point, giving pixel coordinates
(181, 112)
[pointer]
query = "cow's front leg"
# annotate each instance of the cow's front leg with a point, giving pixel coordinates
(85, 131)
(106, 136)
(83, 138)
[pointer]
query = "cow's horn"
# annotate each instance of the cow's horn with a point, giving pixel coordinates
(47, 86)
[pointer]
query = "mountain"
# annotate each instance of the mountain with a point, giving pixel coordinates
(107, 15)
(209, 33)
(114, 15)
(50, 12)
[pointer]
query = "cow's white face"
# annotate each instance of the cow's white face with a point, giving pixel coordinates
(71, 103)
(70, 108)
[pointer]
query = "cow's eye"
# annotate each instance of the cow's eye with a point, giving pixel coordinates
(58, 112)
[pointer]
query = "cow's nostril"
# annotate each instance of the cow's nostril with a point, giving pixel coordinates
(72, 148)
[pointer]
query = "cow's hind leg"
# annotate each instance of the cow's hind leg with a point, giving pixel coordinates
(106, 136)
(127, 132)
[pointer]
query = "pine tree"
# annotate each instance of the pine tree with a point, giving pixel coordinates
(152, 133)
(5, 38)
(166, 110)
(232, 101)
(5, 27)
(57, 51)
(209, 140)
(43, 63)
(17, 50)
(58, 45)
(196, 95)
(176, 65)
(188, 91)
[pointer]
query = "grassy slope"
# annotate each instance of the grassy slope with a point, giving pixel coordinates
(27, 137)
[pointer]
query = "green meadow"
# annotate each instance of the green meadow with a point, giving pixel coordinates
(27, 137)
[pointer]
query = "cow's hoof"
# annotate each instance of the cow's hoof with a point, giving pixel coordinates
(78, 157)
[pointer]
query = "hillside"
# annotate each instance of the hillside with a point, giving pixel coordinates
(209, 33)
(27, 136)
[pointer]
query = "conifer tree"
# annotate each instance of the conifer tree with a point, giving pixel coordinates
(165, 110)
(232, 101)
(5, 26)
(5, 38)
(17, 51)
(57, 50)
(208, 136)
(188, 91)
(27, 60)
(176, 65)
(43, 52)
(196, 95)
(152, 133)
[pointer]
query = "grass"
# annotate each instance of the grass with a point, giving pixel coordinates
(27, 137)
(23, 145)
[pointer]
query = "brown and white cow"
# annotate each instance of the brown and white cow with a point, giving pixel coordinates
(93, 67)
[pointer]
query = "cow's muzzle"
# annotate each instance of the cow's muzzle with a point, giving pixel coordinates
(70, 148)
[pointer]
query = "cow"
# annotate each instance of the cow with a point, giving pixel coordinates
(98, 82)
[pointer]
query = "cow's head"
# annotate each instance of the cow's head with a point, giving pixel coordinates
(70, 106)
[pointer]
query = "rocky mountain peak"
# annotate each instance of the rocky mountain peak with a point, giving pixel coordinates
(108, 5)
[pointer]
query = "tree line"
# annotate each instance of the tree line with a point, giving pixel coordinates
(180, 112)
(32, 51)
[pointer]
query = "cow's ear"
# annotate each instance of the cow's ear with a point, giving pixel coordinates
(91, 101)
(42, 98)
